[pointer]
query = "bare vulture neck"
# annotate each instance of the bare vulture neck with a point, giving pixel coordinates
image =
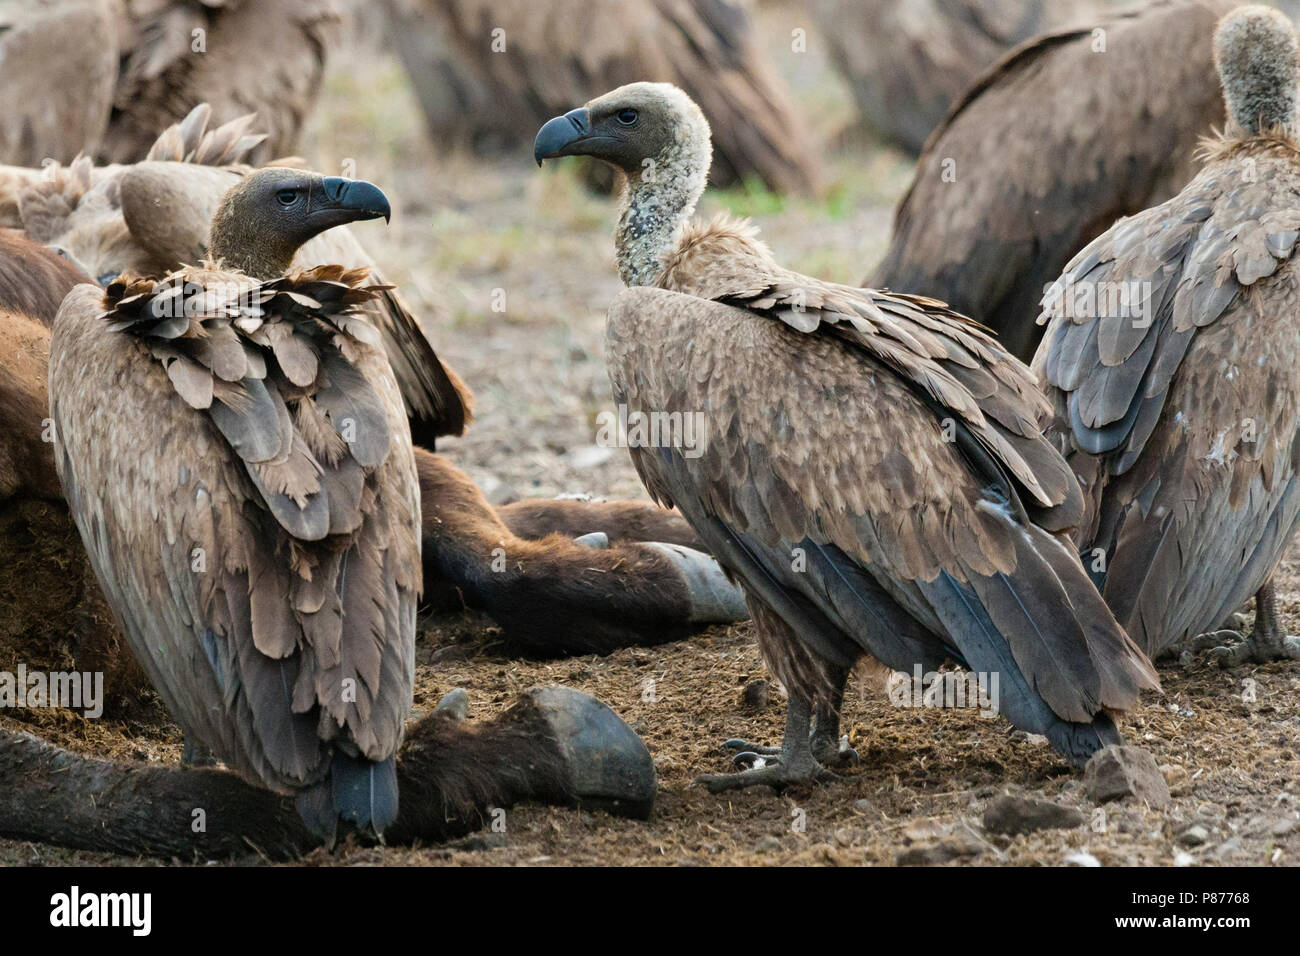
(659, 202)
(242, 244)
(1255, 51)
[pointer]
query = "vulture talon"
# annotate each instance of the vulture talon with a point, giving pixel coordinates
(763, 750)
(838, 754)
(774, 775)
(1213, 640)
(747, 759)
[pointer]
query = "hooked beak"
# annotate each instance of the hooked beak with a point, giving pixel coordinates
(354, 199)
(558, 136)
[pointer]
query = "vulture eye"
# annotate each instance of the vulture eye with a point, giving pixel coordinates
(286, 197)
(627, 117)
(106, 278)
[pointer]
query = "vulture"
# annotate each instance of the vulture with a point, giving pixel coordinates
(1046, 150)
(248, 499)
(485, 69)
(238, 56)
(148, 217)
(872, 472)
(58, 69)
(907, 61)
(1170, 363)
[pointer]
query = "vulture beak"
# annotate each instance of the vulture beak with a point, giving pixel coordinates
(558, 135)
(350, 200)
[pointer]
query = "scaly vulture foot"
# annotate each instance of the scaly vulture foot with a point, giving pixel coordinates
(829, 748)
(793, 763)
(1268, 642)
(1187, 650)
(1262, 647)
(826, 750)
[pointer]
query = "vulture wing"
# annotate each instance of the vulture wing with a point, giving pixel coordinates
(1169, 359)
(437, 401)
(250, 507)
(825, 482)
(473, 88)
(987, 224)
(993, 401)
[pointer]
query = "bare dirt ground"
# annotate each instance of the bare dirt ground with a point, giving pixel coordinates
(466, 227)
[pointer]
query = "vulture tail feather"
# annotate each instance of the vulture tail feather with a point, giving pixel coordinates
(984, 649)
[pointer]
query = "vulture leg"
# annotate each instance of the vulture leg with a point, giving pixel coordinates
(827, 745)
(194, 754)
(1267, 642)
(555, 595)
(825, 737)
(794, 764)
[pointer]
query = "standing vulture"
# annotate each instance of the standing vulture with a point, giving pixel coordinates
(557, 52)
(239, 56)
(248, 497)
(58, 67)
(872, 472)
(1170, 361)
(1045, 151)
(907, 61)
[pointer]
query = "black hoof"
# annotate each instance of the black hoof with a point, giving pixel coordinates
(610, 767)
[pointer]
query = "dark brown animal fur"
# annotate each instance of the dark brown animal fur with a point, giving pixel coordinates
(449, 773)
(550, 594)
(34, 278)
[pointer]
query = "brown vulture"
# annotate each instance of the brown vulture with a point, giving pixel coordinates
(238, 56)
(149, 217)
(1045, 151)
(872, 474)
(58, 67)
(907, 61)
(486, 69)
(249, 500)
(553, 596)
(1170, 362)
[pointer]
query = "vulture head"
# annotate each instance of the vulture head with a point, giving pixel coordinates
(657, 137)
(265, 217)
(1255, 53)
(650, 130)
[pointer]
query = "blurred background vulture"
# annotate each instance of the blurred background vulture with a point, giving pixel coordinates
(1045, 151)
(238, 56)
(826, 486)
(249, 499)
(558, 52)
(58, 67)
(1170, 360)
(908, 61)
